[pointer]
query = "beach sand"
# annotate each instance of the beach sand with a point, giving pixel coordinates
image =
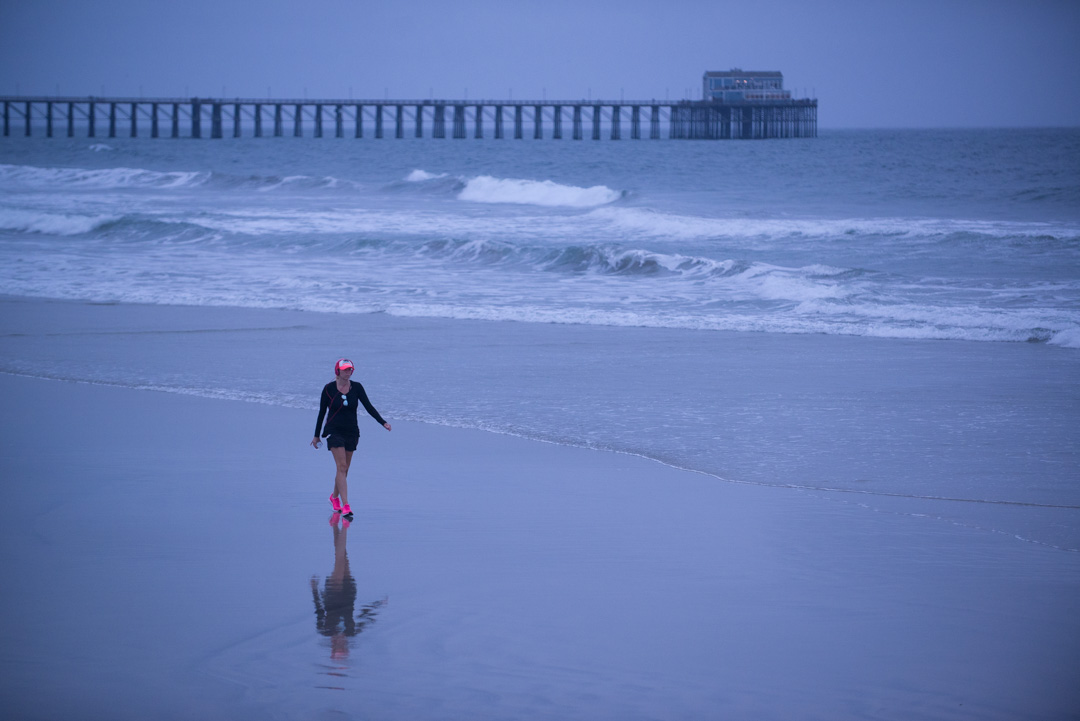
(158, 552)
(167, 555)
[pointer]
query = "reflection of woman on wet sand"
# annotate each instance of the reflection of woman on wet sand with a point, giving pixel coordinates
(334, 607)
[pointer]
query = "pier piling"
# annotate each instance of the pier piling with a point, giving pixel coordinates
(439, 122)
(459, 121)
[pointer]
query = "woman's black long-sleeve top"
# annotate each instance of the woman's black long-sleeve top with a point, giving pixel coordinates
(341, 416)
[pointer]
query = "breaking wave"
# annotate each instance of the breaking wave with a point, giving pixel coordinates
(28, 221)
(486, 189)
(513, 191)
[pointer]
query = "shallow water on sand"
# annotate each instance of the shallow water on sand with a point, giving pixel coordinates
(494, 578)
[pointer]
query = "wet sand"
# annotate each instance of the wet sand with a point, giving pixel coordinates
(159, 553)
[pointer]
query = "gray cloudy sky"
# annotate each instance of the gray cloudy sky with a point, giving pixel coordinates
(921, 63)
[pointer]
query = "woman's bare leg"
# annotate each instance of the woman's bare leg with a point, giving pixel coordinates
(343, 459)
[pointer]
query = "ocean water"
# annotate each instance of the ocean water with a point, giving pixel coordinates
(894, 314)
(933, 235)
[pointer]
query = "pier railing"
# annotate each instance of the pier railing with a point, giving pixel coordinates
(220, 117)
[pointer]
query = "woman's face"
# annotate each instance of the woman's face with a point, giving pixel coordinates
(345, 374)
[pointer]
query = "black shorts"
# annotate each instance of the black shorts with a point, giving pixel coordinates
(336, 440)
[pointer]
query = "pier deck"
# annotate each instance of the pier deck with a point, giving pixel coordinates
(537, 119)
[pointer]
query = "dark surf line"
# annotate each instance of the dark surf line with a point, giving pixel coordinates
(956, 522)
(826, 489)
(762, 484)
(923, 498)
(856, 491)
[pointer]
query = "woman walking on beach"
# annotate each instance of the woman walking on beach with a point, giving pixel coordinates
(338, 404)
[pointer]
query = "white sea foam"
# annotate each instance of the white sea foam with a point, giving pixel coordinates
(810, 283)
(25, 176)
(418, 176)
(671, 225)
(773, 323)
(488, 189)
(101, 147)
(266, 184)
(30, 176)
(758, 297)
(264, 221)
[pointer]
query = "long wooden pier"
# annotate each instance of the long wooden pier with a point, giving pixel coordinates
(572, 119)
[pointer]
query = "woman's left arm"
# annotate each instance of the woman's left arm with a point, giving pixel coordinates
(370, 408)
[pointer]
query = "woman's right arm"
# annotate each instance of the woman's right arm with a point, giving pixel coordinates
(323, 405)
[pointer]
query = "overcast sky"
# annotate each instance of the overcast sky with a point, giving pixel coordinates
(871, 63)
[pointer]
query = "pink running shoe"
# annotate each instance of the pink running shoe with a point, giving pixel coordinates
(346, 511)
(335, 502)
(335, 518)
